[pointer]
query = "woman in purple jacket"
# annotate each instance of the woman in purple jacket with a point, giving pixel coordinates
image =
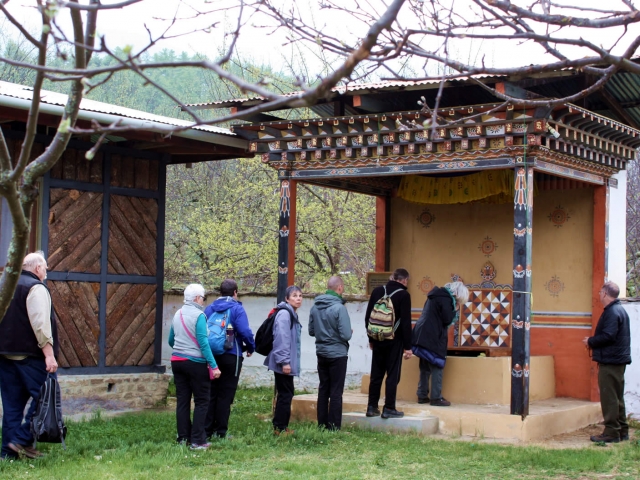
(284, 358)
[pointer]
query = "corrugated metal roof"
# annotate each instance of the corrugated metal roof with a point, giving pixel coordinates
(625, 88)
(352, 88)
(53, 98)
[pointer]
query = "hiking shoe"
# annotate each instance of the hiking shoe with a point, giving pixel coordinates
(624, 437)
(440, 402)
(604, 438)
(199, 446)
(373, 411)
(25, 451)
(283, 433)
(391, 413)
(423, 400)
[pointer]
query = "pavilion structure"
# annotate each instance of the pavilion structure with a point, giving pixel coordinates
(456, 201)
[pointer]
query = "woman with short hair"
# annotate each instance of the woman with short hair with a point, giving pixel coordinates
(193, 367)
(429, 338)
(284, 358)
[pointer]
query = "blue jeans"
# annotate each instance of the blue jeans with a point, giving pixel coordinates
(20, 380)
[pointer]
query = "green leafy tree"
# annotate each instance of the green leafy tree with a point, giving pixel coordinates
(222, 221)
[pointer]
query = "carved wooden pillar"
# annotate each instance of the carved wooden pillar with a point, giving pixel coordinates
(521, 311)
(283, 245)
(293, 201)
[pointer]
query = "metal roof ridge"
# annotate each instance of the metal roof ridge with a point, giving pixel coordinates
(352, 87)
(15, 90)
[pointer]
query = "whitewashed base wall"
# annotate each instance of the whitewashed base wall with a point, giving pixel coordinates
(253, 371)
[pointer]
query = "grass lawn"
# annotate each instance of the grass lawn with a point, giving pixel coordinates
(141, 446)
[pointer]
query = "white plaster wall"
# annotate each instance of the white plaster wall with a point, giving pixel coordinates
(617, 265)
(632, 375)
(253, 371)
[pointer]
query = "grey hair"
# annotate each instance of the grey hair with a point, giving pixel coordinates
(192, 291)
(33, 260)
(611, 289)
(334, 282)
(459, 291)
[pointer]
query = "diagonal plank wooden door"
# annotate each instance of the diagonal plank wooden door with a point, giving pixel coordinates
(103, 229)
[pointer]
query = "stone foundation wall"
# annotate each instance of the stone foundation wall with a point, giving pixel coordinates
(139, 390)
(84, 394)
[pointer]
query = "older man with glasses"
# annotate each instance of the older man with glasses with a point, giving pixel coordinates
(611, 347)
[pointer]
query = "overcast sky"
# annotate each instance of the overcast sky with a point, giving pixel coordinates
(266, 46)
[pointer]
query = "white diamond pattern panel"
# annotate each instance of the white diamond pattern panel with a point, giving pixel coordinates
(486, 319)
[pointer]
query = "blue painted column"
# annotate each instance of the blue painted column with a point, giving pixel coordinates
(521, 310)
(283, 243)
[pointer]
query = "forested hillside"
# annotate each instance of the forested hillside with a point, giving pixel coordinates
(222, 217)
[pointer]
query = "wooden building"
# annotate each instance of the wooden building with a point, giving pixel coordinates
(457, 202)
(101, 225)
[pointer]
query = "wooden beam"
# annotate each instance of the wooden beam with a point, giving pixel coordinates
(255, 117)
(174, 159)
(370, 105)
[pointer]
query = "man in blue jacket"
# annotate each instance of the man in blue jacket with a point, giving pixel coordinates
(329, 322)
(223, 390)
(611, 347)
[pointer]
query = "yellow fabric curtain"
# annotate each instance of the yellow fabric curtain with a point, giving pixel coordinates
(492, 186)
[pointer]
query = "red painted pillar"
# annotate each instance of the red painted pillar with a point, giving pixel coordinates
(599, 276)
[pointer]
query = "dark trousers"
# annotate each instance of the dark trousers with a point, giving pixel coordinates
(611, 383)
(284, 395)
(20, 380)
(192, 379)
(332, 373)
(386, 359)
(223, 391)
(429, 370)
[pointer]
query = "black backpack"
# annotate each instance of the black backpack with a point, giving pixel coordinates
(47, 424)
(264, 335)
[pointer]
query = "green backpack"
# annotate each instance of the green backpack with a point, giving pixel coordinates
(382, 321)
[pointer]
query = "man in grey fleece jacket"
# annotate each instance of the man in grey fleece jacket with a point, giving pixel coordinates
(329, 322)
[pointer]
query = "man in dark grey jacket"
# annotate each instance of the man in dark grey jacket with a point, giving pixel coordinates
(329, 322)
(611, 346)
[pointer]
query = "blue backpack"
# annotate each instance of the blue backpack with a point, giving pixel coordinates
(217, 324)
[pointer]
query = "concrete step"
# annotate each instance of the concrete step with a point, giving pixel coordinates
(423, 425)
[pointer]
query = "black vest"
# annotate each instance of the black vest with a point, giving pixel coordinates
(16, 334)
